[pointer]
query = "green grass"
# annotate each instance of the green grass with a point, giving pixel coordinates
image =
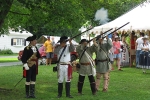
(14, 54)
(129, 84)
(3, 60)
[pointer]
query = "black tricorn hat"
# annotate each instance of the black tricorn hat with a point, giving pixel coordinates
(83, 40)
(31, 38)
(63, 39)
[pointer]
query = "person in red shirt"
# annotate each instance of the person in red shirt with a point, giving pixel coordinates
(132, 51)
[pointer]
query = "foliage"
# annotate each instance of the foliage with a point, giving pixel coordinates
(6, 51)
(57, 17)
(129, 84)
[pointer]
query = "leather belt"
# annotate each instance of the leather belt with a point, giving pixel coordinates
(102, 60)
(85, 63)
(63, 64)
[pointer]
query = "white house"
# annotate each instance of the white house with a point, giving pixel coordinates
(14, 41)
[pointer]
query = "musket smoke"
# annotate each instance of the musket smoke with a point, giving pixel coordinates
(101, 15)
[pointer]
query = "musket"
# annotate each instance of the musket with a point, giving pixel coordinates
(18, 82)
(77, 34)
(100, 35)
(81, 33)
(118, 29)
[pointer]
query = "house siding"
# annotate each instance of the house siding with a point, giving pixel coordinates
(5, 41)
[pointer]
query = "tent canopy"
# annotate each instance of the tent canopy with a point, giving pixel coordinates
(139, 19)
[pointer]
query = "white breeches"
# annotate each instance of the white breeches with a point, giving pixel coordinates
(63, 74)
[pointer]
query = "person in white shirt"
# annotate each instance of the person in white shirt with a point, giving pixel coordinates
(144, 54)
(139, 41)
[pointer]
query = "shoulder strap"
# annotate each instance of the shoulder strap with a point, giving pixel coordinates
(82, 53)
(105, 53)
(61, 54)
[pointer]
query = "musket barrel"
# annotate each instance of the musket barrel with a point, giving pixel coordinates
(77, 34)
(81, 33)
(100, 34)
(117, 29)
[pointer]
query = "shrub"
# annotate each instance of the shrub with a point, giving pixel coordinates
(6, 51)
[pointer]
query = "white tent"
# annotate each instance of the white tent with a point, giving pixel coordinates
(139, 19)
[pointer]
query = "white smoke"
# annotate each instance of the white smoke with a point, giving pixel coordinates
(101, 15)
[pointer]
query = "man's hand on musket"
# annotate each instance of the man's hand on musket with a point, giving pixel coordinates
(94, 42)
(56, 45)
(100, 40)
(107, 37)
(70, 41)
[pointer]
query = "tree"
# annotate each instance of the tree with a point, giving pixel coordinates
(56, 17)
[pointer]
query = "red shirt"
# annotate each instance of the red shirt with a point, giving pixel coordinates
(116, 47)
(132, 44)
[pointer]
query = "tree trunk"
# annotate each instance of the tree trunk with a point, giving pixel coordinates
(5, 6)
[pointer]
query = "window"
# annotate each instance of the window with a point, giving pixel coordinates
(18, 42)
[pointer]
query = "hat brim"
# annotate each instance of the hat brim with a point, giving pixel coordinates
(31, 38)
(83, 40)
(144, 38)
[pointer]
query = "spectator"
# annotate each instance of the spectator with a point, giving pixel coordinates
(117, 51)
(132, 50)
(125, 52)
(139, 41)
(49, 47)
(41, 49)
(144, 54)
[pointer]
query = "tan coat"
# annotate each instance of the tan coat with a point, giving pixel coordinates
(102, 67)
(85, 69)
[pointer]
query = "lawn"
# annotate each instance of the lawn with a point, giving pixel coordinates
(3, 60)
(14, 54)
(129, 84)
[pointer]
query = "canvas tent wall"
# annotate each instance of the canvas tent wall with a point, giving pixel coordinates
(139, 19)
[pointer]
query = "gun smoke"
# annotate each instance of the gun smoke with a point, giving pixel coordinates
(101, 15)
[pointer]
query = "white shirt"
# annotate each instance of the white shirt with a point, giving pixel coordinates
(34, 49)
(139, 41)
(66, 55)
(145, 46)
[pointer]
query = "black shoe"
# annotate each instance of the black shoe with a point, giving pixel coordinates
(80, 94)
(27, 96)
(32, 96)
(69, 96)
(59, 96)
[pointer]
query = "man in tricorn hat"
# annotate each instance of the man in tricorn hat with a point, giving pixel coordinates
(30, 63)
(86, 63)
(64, 67)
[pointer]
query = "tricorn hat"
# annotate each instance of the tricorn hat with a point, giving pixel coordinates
(83, 40)
(63, 39)
(31, 38)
